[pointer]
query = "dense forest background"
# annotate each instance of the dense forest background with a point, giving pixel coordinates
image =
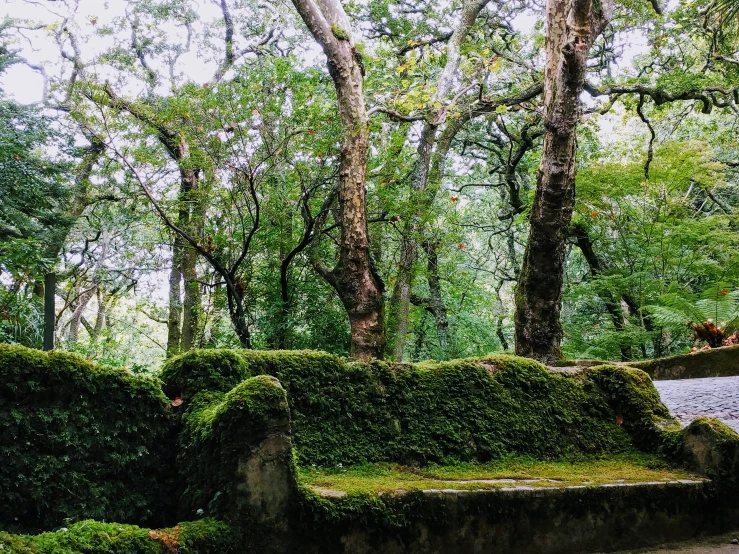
(195, 174)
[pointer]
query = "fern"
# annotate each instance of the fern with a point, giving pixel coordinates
(713, 316)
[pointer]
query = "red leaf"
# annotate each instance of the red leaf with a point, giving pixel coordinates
(177, 402)
(619, 420)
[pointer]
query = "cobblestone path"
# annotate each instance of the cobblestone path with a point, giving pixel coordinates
(713, 397)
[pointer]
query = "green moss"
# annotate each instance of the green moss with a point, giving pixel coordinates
(632, 396)
(338, 32)
(79, 440)
(509, 472)
(712, 447)
(217, 430)
(91, 537)
(476, 409)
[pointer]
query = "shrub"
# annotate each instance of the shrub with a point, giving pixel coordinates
(78, 440)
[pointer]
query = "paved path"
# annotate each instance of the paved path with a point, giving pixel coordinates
(712, 396)
(709, 545)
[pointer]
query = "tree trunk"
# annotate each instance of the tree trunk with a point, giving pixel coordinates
(191, 305)
(436, 300)
(571, 28)
(191, 220)
(282, 332)
(354, 278)
(400, 302)
(174, 318)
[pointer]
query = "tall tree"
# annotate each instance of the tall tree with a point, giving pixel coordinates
(572, 26)
(354, 277)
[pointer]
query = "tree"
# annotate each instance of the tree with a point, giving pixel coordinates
(354, 277)
(572, 27)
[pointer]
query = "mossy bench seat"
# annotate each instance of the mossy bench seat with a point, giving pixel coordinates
(511, 473)
(251, 439)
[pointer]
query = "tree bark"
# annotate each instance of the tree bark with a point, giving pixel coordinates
(436, 300)
(174, 317)
(571, 28)
(354, 278)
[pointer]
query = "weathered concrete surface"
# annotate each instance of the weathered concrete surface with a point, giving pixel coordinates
(265, 486)
(718, 362)
(716, 397)
(534, 521)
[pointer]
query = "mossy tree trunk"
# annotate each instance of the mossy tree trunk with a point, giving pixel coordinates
(571, 28)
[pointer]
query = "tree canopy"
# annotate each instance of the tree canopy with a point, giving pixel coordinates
(413, 180)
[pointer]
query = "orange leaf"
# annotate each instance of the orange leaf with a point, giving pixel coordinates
(153, 534)
(619, 420)
(177, 402)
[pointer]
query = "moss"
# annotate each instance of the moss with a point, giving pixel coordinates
(217, 430)
(91, 537)
(510, 472)
(632, 396)
(475, 409)
(79, 440)
(338, 32)
(712, 447)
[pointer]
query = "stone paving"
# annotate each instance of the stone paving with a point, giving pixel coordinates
(716, 397)
(722, 544)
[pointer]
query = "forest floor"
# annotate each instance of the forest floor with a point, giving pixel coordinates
(622, 470)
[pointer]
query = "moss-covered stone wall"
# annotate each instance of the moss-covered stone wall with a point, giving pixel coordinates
(474, 409)
(78, 440)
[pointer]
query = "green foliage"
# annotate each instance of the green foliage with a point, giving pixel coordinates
(33, 189)
(717, 304)
(206, 536)
(472, 409)
(79, 440)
